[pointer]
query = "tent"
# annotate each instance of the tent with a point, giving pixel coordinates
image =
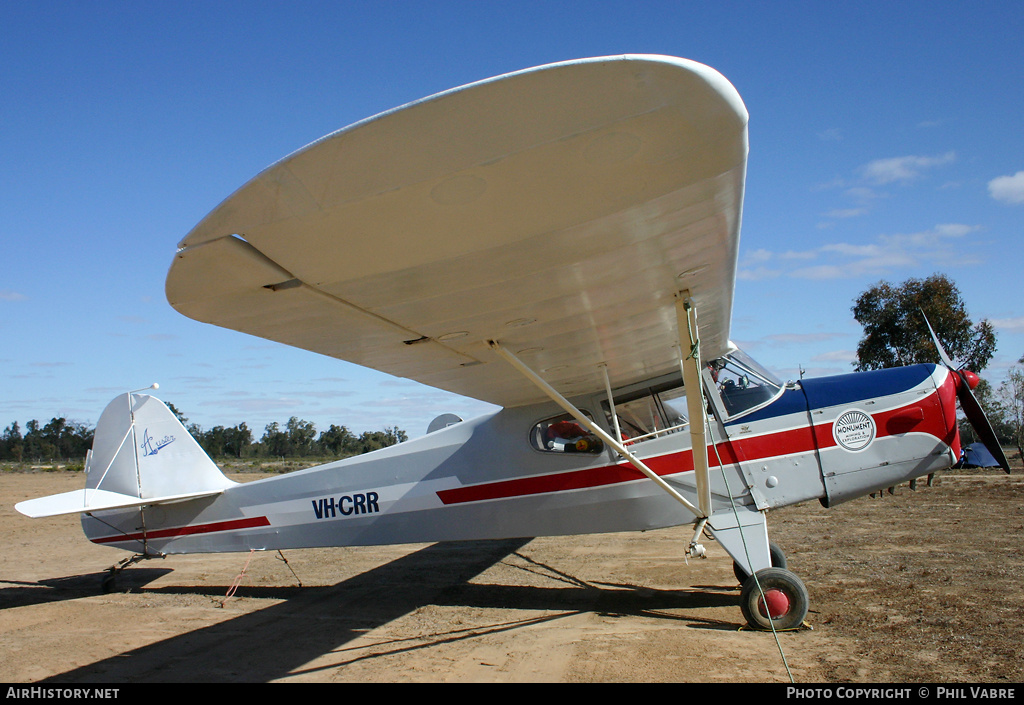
(976, 455)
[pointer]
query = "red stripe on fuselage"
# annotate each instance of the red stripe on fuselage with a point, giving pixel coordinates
(188, 530)
(802, 439)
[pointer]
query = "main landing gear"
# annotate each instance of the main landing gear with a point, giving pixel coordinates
(774, 598)
(777, 599)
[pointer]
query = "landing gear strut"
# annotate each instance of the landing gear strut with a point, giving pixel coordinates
(778, 561)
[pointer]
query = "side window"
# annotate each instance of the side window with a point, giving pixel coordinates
(562, 434)
(649, 413)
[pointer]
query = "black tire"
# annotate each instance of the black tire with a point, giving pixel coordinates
(784, 590)
(778, 561)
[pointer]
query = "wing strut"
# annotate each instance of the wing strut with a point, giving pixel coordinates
(689, 360)
(598, 431)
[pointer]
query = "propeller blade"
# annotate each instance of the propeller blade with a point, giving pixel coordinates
(969, 404)
(980, 423)
(938, 346)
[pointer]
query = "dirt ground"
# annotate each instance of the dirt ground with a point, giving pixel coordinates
(916, 586)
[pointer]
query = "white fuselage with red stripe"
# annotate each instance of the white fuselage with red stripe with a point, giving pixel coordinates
(829, 439)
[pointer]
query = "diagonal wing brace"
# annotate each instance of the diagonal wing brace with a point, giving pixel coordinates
(580, 417)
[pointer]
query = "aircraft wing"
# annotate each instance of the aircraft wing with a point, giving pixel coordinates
(556, 210)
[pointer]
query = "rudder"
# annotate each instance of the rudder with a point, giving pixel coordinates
(141, 449)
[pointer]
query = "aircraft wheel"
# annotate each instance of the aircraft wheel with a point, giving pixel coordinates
(778, 561)
(785, 599)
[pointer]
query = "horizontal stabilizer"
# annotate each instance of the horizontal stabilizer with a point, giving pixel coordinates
(90, 500)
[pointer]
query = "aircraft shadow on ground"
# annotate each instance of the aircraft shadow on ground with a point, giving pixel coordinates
(276, 641)
(17, 593)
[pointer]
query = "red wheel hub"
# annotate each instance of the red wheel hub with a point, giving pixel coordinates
(778, 603)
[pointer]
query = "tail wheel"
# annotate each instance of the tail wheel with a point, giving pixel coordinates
(778, 561)
(780, 602)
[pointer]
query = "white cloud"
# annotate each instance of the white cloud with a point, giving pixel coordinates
(822, 271)
(837, 182)
(756, 257)
(842, 213)
(862, 190)
(954, 229)
(836, 356)
(752, 267)
(757, 274)
(800, 338)
(792, 254)
(8, 295)
(845, 248)
(902, 169)
(863, 194)
(1011, 325)
(880, 257)
(1008, 189)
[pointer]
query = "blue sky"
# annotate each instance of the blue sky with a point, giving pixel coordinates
(887, 142)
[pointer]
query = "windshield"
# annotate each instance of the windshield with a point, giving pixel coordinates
(742, 384)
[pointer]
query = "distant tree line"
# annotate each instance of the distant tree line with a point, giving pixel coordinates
(58, 439)
(63, 439)
(296, 439)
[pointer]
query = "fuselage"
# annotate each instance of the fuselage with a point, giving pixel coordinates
(503, 475)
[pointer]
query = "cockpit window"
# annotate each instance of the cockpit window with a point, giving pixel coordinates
(563, 434)
(649, 413)
(742, 384)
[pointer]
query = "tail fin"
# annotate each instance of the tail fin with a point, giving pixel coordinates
(141, 455)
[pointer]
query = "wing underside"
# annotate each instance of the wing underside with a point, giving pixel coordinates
(557, 210)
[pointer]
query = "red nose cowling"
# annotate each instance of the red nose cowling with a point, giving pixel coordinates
(947, 397)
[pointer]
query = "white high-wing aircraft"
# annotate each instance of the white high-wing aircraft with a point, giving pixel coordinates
(546, 241)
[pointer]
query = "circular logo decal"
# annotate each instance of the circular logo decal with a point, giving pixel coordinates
(854, 430)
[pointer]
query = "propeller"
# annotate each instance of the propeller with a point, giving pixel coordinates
(971, 408)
